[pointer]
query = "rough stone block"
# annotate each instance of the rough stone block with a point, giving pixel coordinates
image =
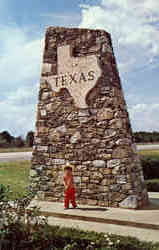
(43, 112)
(116, 123)
(33, 173)
(113, 163)
(109, 133)
(105, 114)
(125, 141)
(46, 68)
(99, 163)
(121, 179)
(76, 137)
(40, 195)
(121, 152)
(107, 171)
(58, 161)
(129, 202)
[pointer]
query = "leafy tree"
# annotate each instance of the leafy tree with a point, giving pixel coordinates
(18, 142)
(144, 137)
(29, 139)
(5, 139)
(6, 136)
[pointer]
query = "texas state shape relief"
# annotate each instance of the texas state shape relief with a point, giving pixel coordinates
(77, 74)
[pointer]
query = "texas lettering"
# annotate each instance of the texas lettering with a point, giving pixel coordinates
(78, 75)
(68, 79)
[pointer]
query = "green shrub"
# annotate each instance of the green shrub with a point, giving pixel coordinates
(42, 236)
(152, 185)
(150, 167)
(28, 231)
(3, 192)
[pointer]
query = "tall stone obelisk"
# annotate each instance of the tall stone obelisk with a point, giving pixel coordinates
(82, 119)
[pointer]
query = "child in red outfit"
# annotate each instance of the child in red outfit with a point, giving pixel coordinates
(69, 187)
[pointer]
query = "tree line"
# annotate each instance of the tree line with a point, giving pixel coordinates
(146, 137)
(7, 140)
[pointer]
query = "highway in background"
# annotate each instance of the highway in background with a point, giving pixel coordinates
(16, 156)
(21, 156)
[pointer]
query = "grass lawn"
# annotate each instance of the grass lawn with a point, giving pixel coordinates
(149, 153)
(15, 174)
(9, 150)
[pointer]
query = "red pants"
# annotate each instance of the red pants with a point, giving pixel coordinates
(70, 195)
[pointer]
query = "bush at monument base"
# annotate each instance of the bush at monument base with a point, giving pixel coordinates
(20, 236)
(150, 166)
(152, 185)
(19, 230)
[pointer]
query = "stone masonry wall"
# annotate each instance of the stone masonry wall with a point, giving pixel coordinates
(82, 119)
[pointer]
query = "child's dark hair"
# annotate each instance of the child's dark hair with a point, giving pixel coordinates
(68, 168)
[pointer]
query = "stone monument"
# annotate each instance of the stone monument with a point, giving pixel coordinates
(82, 119)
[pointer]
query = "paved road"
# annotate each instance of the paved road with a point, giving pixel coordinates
(148, 147)
(4, 157)
(18, 156)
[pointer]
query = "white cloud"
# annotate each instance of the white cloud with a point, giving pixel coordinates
(143, 117)
(18, 110)
(20, 61)
(20, 69)
(131, 24)
(134, 27)
(20, 57)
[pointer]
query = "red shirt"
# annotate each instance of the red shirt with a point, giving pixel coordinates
(68, 181)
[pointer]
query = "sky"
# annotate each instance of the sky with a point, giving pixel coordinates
(134, 28)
